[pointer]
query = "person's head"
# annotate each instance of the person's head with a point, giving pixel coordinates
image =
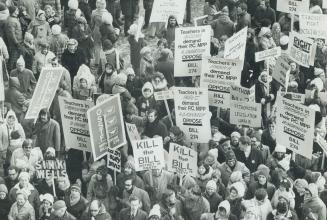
(230, 158)
(44, 47)
(44, 115)
(320, 43)
(245, 142)
(20, 64)
(129, 167)
(135, 203)
(155, 213)
(27, 146)
(223, 209)
(3, 191)
(156, 172)
(13, 11)
(262, 177)
(211, 187)
(59, 208)
(169, 197)
(152, 115)
(300, 185)
(85, 171)
(202, 168)
(101, 173)
(48, 10)
(24, 179)
(242, 8)
(260, 195)
(236, 190)
(100, 4)
(280, 151)
(21, 197)
(95, 206)
(83, 83)
(12, 172)
(162, 43)
(235, 136)
(10, 118)
(41, 15)
(195, 192)
(311, 191)
(172, 21)
(128, 184)
(55, 62)
(264, 76)
(47, 200)
(263, 4)
(284, 185)
(75, 191)
(72, 45)
(63, 183)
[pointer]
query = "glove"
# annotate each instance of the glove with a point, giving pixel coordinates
(263, 101)
(272, 96)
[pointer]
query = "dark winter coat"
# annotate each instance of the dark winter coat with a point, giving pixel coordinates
(155, 128)
(4, 208)
(78, 209)
(125, 214)
(129, 8)
(223, 26)
(72, 61)
(47, 135)
(253, 161)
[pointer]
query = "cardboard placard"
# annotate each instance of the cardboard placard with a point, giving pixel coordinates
(313, 25)
(50, 168)
(114, 160)
(162, 9)
(239, 93)
(132, 132)
(267, 54)
(293, 6)
(281, 71)
(164, 95)
(245, 113)
(235, 45)
(297, 97)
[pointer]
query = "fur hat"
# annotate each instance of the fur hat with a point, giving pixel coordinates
(301, 183)
(56, 29)
(263, 172)
(239, 187)
(235, 134)
(47, 197)
(236, 176)
(121, 79)
(212, 185)
(73, 4)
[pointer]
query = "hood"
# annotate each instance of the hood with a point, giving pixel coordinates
(14, 82)
(225, 204)
(4, 14)
(313, 189)
(85, 73)
(173, 16)
(149, 86)
(11, 113)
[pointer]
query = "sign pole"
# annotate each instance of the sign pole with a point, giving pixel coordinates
(53, 188)
(168, 111)
(180, 180)
(115, 177)
(84, 156)
(323, 161)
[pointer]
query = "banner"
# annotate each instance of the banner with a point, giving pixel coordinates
(235, 45)
(301, 50)
(313, 25)
(245, 113)
(217, 75)
(295, 123)
(182, 160)
(191, 45)
(132, 132)
(114, 160)
(50, 168)
(106, 126)
(296, 97)
(242, 94)
(192, 113)
(267, 54)
(164, 94)
(293, 6)
(281, 71)
(45, 91)
(148, 154)
(162, 9)
(74, 123)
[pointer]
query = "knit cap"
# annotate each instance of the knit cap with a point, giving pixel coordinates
(59, 205)
(76, 187)
(230, 155)
(47, 197)
(212, 185)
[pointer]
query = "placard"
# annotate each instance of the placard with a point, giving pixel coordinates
(295, 123)
(242, 94)
(132, 132)
(182, 160)
(114, 160)
(162, 9)
(106, 126)
(50, 168)
(324, 3)
(313, 25)
(75, 123)
(192, 113)
(235, 45)
(148, 154)
(191, 45)
(267, 54)
(45, 91)
(301, 50)
(245, 113)
(164, 94)
(281, 71)
(322, 143)
(217, 76)
(297, 97)
(293, 6)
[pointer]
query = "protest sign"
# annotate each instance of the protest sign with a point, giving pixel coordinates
(301, 50)
(162, 9)
(281, 70)
(293, 6)
(191, 45)
(45, 91)
(192, 113)
(114, 160)
(310, 94)
(245, 113)
(322, 143)
(217, 75)
(267, 54)
(182, 160)
(132, 132)
(295, 123)
(50, 168)
(297, 97)
(239, 93)
(324, 3)
(148, 154)
(164, 95)
(75, 123)
(235, 45)
(313, 25)
(106, 126)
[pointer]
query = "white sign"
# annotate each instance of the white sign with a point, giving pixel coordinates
(324, 3)
(281, 70)
(267, 54)
(192, 113)
(217, 75)
(235, 45)
(295, 123)
(162, 9)
(164, 94)
(114, 160)
(301, 50)
(191, 45)
(132, 132)
(297, 97)
(148, 154)
(239, 93)
(182, 160)
(322, 143)
(313, 25)
(245, 113)
(293, 6)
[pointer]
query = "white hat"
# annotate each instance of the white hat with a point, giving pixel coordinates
(56, 29)
(280, 148)
(155, 211)
(21, 60)
(284, 40)
(107, 18)
(318, 83)
(212, 185)
(239, 187)
(47, 197)
(73, 4)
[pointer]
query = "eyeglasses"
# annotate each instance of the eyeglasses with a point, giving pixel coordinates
(27, 147)
(128, 184)
(94, 210)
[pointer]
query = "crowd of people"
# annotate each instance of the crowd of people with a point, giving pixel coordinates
(243, 173)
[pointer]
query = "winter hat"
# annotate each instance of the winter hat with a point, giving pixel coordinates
(102, 170)
(72, 42)
(212, 185)
(155, 211)
(313, 189)
(76, 187)
(263, 172)
(264, 31)
(12, 9)
(28, 37)
(225, 204)
(230, 155)
(263, 73)
(107, 18)
(284, 40)
(285, 183)
(51, 151)
(301, 183)
(236, 176)
(214, 153)
(107, 44)
(73, 4)
(22, 192)
(47, 197)
(59, 205)
(280, 148)
(149, 86)
(129, 164)
(260, 194)
(235, 134)
(21, 60)
(239, 187)
(132, 29)
(3, 188)
(318, 83)
(121, 79)
(129, 71)
(56, 29)
(39, 13)
(24, 175)
(318, 71)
